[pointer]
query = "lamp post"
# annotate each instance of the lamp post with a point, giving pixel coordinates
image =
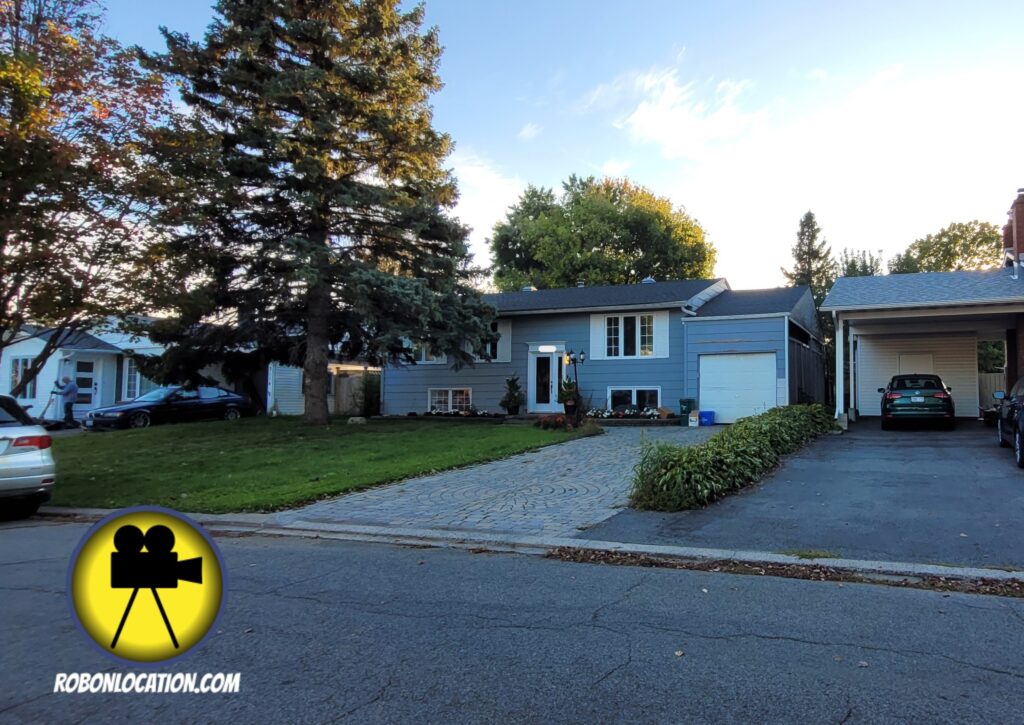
(571, 358)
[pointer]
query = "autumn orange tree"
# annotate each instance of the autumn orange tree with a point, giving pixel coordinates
(75, 108)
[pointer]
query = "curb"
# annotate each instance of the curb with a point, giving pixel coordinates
(264, 525)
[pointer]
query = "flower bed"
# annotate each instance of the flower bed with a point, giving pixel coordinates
(673, 478)
(471, 413)
(627, 413)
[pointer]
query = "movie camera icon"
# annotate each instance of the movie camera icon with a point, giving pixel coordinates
(156, 568)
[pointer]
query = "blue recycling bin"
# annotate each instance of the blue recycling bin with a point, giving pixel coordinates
(707, 417)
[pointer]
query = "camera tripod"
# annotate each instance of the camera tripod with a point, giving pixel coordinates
(128, 609)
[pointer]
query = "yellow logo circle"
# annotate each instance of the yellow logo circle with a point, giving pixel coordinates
(146, 584)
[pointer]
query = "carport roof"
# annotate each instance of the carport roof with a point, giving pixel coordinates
(924, 289)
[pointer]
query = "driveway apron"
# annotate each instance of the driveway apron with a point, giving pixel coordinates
(557, 491)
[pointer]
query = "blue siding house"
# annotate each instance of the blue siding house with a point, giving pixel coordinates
(647, 345)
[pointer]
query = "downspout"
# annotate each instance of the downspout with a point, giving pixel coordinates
(785, 350)
(837, 337)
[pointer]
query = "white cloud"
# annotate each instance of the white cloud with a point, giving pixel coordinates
(529, 132)
(883, 162)
(615, 167)
(817, 74)
(684, 119)
(485, 194)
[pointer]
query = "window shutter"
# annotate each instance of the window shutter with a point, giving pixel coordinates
(598, 343)
(661, 333)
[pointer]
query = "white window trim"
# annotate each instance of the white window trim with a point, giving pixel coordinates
(622, 338)
(25, 362)
(504, 344)
(599, 335)
(431, 391)
(632, 389)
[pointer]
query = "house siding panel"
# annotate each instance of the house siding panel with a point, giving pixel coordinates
(955, 359)
(711, 337)
(405, 388)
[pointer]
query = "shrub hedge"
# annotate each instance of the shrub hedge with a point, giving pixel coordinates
(673, 478)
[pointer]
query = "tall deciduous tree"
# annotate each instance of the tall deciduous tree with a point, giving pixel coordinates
(971, 245)
(859, 263)
(812, 259)
(74, 107)
(309, 194)
(600, 232)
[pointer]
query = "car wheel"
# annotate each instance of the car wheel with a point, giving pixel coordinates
(999, 432)
(139, 420)
(19, 510)
(232, 414)
(1018, 448)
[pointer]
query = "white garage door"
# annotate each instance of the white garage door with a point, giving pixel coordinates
(952, 357)
(737, 385)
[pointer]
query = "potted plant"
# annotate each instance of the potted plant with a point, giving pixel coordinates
(569, 397)
(514, 397)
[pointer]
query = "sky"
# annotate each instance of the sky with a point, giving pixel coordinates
(888, 120)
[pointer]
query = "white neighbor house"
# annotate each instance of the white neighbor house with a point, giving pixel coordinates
(99, 361)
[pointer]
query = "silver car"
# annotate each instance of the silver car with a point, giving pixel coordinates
(27, 470)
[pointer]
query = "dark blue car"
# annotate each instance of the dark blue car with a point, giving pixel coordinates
(173, 404)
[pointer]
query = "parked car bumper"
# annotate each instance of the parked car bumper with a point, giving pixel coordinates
(105, 423)
(917, 414)
(27, 488)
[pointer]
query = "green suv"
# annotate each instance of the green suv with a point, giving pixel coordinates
(917, 398)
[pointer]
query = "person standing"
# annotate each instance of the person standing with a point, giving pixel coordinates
(68, 395)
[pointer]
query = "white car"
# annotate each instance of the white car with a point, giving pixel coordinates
(27, 469)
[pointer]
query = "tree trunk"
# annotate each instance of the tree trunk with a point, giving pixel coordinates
(315, 365)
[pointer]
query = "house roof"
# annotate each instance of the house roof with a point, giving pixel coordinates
(924, 289)
(753, 302)
(79, 340)
(625, 295)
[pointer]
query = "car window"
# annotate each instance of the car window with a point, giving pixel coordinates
(1017, 389)
(917, 382)
(187, 394)
(224, 393)
(11, 414)
(209, 393)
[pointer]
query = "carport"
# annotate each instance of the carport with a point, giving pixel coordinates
(923, 323)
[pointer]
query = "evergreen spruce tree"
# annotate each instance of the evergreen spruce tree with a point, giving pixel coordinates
(812, 260)
(307, 191)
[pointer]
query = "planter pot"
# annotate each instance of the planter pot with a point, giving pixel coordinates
(513, 410)
(570, 408)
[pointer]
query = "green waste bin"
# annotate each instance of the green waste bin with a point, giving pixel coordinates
(686, 406)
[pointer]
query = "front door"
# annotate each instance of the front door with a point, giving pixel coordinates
(545, 374)
(85, 371)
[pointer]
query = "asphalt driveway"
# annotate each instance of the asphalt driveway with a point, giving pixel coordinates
(922, 496)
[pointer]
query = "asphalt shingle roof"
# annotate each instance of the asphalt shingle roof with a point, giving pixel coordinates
(925, 289)
(753, 302)
(568, 298)
(76, 341)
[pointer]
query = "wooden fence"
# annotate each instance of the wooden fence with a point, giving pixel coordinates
(989, 383)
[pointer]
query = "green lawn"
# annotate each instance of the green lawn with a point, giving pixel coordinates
(261, 464)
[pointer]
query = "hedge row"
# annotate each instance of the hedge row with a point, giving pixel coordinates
(673, 478)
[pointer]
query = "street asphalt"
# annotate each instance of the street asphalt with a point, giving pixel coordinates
(924, 496)
(326, 630)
